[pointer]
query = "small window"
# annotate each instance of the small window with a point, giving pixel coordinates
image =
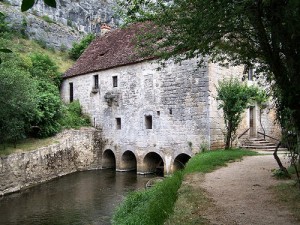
(170, 111)
(71, 92)
(148, 122)
(158, 113)
(96, 81)
(250, 74)
(115, 81)
(118, 123)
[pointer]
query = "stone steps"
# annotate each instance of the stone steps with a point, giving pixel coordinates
(261, 145)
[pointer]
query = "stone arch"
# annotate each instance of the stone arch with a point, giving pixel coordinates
(180, 161)
(128, 161)
(153, 163)
(108, 159)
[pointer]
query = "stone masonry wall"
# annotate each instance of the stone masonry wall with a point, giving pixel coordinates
(176, 98)
(76, 150)
(270, 125)
(217, 126)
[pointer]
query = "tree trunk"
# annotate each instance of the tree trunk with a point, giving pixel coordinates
(260, 113)
(228, 136)
(282, 168)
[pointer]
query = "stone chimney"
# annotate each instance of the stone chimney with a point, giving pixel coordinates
(104, 29)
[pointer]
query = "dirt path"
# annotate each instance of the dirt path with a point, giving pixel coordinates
(241, 194)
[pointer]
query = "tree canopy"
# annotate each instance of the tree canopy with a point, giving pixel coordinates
(249, 32)
(234, 97)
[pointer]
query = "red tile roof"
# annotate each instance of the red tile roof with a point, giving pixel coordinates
(115, 48)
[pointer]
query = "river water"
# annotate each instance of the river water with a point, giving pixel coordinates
(82, 198)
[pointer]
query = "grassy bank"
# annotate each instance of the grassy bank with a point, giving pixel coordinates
(155, 205)
(25, 145)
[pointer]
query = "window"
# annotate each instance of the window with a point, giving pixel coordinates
(115, 81)
(148, 122)
(170, 111)
(71, 92)
(250, 73)
(96, 81)
(118, 123)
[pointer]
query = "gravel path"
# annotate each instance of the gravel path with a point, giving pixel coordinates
(241, 193)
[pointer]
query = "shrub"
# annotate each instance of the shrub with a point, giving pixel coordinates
(43, 67)
(41, 43)
(73, 116)
(49, 110)
(78, 48)
(47, 19)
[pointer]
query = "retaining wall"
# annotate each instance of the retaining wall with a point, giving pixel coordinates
(74, 150)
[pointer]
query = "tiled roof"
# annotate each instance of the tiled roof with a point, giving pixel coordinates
(115, 48)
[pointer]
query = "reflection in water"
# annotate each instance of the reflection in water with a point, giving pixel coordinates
(82, 198)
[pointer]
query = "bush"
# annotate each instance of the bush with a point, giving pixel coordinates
(78, 48)
(3, 24)
(43, 67)
(18, 100)
(73, 117)
(41, 43)
(47, 19)
(48, 114)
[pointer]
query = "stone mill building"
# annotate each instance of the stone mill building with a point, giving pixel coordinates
(152, 119)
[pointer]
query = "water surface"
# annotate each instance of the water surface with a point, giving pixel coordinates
(82, 198)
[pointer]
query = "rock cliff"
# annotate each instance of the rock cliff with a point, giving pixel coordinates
(60, 27)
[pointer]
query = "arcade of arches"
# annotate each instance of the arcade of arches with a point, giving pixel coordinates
(151, 162)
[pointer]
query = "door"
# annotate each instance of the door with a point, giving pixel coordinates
(252, 121)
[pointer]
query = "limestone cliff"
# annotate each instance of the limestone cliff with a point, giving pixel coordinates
(60, 27)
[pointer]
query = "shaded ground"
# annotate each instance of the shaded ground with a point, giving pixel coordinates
(237, 194)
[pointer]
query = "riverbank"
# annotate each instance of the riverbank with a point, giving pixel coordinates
(73, 150)
(156, 204)
(241, 193)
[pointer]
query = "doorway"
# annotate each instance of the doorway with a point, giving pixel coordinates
(252, 121)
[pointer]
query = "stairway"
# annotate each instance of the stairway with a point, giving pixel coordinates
(260, 144)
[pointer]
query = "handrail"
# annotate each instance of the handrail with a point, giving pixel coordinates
(243, 133)
(268, 136)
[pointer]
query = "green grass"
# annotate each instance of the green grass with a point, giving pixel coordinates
(289, 195)
(209, 161)
(152, 206)
(24, 47)
(155, 205)
(25, 145)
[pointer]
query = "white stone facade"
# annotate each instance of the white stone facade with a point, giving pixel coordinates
(169, 111)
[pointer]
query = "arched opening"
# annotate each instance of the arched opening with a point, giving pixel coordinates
(128, 161)
(108, 159)
(180, 161)
(153, 163)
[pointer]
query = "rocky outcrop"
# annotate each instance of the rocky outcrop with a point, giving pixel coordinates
(60, 27)
(48, 33)
(76, 150)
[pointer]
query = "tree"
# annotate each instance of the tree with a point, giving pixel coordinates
(43, 67)
(3, 29)
(234, 98)
(45, 74)
(250, 32)
(46, 121)
(17, 100)
(78, 48)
